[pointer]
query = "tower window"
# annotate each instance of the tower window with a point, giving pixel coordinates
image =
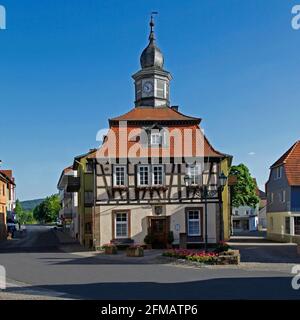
(161, 89)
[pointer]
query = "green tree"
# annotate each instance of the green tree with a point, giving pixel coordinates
(244, 191)
(48, 210)
(23, 216)
(19, 210)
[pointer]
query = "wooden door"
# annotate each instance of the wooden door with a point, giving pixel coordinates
(159, 228)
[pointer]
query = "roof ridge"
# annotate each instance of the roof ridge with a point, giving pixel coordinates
(291, 150)
(182, 114)
(282, 159)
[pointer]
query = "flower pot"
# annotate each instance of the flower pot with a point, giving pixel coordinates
(110, 250)
(135, 252)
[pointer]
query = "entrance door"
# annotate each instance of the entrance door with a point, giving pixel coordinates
(159, 229)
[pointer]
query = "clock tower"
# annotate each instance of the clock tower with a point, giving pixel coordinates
(152, 82)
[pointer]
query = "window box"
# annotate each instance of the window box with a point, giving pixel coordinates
(135, 251)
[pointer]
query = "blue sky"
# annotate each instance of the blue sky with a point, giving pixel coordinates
(66, 66)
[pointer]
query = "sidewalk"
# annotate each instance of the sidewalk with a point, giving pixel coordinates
(21, 291)
(67, 243)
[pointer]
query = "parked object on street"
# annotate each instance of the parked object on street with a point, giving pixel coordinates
(59, 223)
(11, 228)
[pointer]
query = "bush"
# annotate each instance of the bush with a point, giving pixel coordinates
(222, 247)
(170, 237)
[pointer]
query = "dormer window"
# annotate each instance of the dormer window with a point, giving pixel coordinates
(193, 171)
(155, 139)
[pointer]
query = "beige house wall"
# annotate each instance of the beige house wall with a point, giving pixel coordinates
(139, 221)
(276, 227)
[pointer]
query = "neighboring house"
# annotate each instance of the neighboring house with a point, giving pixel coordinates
(123, 197)
(11, 194)
(7, 192)
(262, 214)
(245, 219)
(69, 202)
(283, 197)
(3, 200)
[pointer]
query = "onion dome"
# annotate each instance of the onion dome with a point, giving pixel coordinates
(152, 56)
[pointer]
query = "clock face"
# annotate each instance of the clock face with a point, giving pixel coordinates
(148, 87)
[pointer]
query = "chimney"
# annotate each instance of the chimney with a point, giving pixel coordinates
(175, 108)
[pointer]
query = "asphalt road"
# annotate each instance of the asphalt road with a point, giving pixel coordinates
(37, 262)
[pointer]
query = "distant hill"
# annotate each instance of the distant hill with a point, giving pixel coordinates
(31, 204)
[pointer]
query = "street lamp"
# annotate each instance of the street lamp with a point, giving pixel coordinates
(204, 192)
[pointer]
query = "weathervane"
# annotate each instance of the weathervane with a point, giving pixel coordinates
(151, 37)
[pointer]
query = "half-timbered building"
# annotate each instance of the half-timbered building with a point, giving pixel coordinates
(140, 171)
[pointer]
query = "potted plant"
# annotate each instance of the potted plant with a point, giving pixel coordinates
(222, 246)
(135, 251)
(170, 239)
(110, 248)
(148, 240)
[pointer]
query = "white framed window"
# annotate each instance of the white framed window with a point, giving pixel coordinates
(121, 225)
(282, 196)
(144, 175)
(271, 197)
(157, 175)
(120, 174)
(155, 139)
(193, 220)
(150, 175)
(278, 173)
(193, 171)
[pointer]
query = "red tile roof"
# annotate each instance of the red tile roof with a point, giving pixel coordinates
(291, 162)
(154, 114)
(204, 148)
(7, 174)
(189, 127)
